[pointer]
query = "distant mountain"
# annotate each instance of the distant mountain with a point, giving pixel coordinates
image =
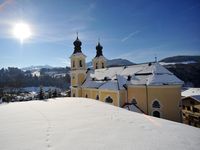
(46, 70)
(183, 59)
(187, 68)
(114, 63)
(34, 68)
(189, 73)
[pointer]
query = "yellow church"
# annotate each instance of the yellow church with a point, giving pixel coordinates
(146, 88)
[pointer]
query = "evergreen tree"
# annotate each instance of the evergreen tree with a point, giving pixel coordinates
(50, 93)
(41, 94)
(55, 93)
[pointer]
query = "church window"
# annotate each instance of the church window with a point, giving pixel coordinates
(96, 65)
(134, 101)
(102, 65)
(97, 98)
(195, 109)
(156, 114)
(73, 64)
(80, 63)
(156, 104)
(109, 100)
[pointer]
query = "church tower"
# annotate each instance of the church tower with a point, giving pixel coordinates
(78, 69)
(99, 61)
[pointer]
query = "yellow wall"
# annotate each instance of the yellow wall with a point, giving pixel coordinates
(73, 79)
(76, 60)
(123, 97)
(169, 98)
(103, 94)
(81, 78)
(113, 94)
(86, 91)
(139, 94)
(73, 91)
(99, 62)
(94, 94)
(79, 92)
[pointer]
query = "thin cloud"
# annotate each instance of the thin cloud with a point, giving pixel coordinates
(130, 35)
(4, 4)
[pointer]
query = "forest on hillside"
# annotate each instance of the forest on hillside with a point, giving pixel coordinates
(189, 73)
(16, 78)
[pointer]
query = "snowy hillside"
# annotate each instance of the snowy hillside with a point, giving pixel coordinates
(34, 68)
(79, 123)
(174, 63)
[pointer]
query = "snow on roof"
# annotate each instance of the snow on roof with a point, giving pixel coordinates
(100, 74)
(79, 123)
(133, 108)
(121, 81)
(191, 92)
(163, 79)
(110, 85)
(196, 97)
(143, 74)
(138, 80)
(130, 70)
(159, 69)
(90, 83)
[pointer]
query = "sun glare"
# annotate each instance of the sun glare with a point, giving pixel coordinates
(22, 31)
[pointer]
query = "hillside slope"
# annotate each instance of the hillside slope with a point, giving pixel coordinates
(189, 73)
(79, 123)
(181, 59)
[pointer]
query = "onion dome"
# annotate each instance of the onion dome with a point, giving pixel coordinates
(77, 46)
(99, 50)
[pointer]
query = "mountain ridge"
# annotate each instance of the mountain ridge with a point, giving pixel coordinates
(181, 58)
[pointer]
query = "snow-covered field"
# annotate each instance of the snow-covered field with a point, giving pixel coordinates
(79, 123)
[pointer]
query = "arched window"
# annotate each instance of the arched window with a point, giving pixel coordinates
(96, 65)
(80, 63)
(156, 114)
(97, 98)
(156, 104)
(86, 96)
(73, 64)
(102, 65)
(134, 101)
(109, 100)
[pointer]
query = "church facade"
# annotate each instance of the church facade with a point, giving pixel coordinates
(146, 88)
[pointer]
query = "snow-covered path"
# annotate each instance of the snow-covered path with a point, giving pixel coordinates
(79, 123)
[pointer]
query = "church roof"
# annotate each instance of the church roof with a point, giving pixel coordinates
(77, 46)
(115, 78)
(99, 51)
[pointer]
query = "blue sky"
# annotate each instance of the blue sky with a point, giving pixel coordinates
(137, 30)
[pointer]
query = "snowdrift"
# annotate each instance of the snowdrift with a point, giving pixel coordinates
(79, 123)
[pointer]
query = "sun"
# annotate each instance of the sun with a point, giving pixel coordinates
(22, 31)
